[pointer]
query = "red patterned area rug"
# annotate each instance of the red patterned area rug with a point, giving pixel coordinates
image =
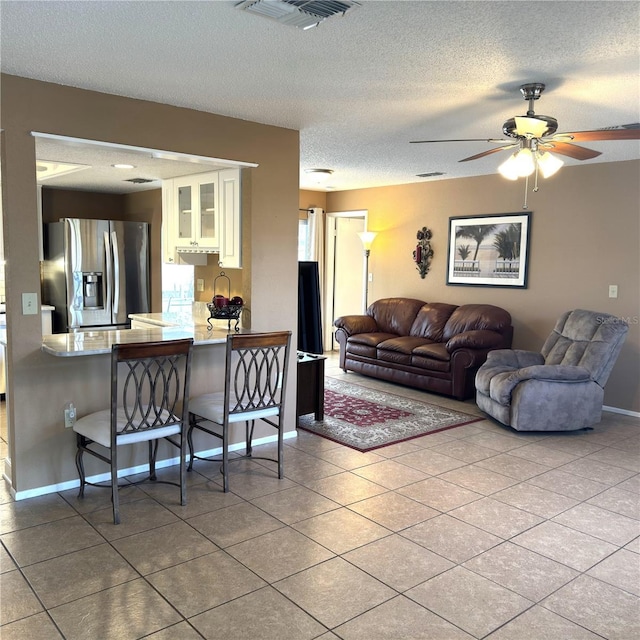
(366, 419)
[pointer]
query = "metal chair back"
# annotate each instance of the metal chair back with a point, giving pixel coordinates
(256, 375)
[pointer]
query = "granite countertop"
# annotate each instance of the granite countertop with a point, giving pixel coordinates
(166, 326)
(89, 343)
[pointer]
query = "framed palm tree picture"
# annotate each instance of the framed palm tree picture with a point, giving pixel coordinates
(489, 250)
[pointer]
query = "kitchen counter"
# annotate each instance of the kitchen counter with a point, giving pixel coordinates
(146, 327)
(89, 343)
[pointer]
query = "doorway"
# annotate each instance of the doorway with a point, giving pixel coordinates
(344, 271)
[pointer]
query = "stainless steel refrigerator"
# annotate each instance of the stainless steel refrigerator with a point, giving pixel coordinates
(95, 273)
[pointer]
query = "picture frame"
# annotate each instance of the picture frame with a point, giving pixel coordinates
(489, 250)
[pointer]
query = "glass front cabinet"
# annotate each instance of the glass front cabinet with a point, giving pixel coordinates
(201, 215)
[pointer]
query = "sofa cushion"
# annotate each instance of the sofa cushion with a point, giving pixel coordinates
(431, 320)
(395, 315)
(397, 357)
(370, 339)
(430, 364)
(403, 344)
(363, 350)
(365, 344)
(476, 316)
(434, 351)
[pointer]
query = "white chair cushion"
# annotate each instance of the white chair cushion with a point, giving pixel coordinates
(97, 427)
(211, 407)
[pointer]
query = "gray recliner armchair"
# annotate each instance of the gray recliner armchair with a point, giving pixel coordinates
(562, 387)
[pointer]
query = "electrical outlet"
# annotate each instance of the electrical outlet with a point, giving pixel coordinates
(613, 290)
(69, 415)
(200, 284)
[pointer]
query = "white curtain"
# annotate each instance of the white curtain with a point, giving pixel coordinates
(315, 240)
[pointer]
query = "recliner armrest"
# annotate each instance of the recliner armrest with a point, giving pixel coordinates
(356, 324)
(502, 387)
(554, 373)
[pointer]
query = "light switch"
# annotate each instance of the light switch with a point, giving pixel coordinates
(613, 290)
(29, 304)
(200, 284)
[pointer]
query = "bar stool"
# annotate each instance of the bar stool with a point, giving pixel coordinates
(255, 383)
(149, 401)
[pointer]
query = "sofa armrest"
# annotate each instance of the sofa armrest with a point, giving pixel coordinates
(475, 339)
(356, 324)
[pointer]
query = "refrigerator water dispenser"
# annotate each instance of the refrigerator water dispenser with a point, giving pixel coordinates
(92, 290)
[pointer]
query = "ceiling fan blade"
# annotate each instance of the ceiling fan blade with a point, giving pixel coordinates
(606, 134)
(461, 140)
(488, 152)
(571, 150)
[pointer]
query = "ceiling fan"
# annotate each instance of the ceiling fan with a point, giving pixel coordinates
(534, 136)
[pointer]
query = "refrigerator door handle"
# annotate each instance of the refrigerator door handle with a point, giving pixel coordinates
(116, 273)
(109, 267)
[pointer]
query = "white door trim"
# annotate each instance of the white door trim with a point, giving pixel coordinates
(329, 278)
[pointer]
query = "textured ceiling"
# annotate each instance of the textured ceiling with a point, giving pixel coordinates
(358, 87)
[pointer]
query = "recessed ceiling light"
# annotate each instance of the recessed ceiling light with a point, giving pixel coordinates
(123, 166)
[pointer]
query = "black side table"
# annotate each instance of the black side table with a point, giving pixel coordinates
(310, 385)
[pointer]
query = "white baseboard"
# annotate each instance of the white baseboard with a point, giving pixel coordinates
(624, 412)
(161, 464)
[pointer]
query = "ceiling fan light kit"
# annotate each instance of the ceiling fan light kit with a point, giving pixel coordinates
(548, 164)
(534, 135)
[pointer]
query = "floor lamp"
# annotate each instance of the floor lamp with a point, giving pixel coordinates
(367, 238)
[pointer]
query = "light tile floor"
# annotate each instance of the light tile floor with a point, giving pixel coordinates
(476, 532)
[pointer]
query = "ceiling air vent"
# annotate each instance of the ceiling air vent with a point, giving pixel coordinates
(303, 14)
(139, 180)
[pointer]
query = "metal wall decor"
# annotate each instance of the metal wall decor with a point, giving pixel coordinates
(423, 252)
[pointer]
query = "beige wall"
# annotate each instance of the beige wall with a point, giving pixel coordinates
(41, 450)
(585, 233)
(312, 199)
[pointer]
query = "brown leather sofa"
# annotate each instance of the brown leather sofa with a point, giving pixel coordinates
(427, 345)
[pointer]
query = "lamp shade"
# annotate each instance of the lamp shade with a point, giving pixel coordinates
(548, 164)
(367, 238)
(509, 168)
(525, 164)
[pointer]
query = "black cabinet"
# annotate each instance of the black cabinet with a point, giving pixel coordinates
(310, 385)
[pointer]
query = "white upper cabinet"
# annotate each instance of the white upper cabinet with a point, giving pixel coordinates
(191, 212)
(201, 215)
(231, 216)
